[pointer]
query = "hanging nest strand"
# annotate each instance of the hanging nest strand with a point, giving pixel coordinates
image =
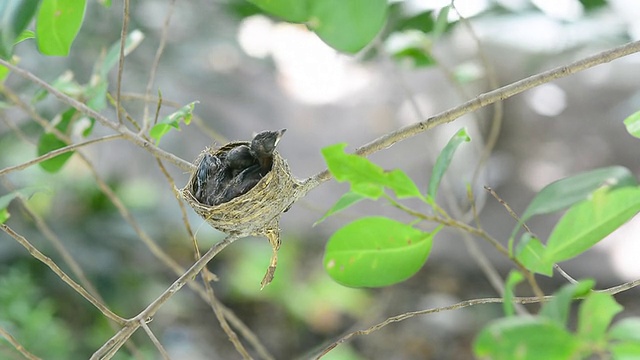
(256, 213)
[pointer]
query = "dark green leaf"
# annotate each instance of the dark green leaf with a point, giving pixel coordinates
(49, 142)
(376, 251)
(595, 315)
(590, 221)
(633, 124)
(563, 193)
(57, 25)
(418, 57)
(344, 202)
(184, 114)
(626, 329)
(525, 338)
(530, 252)
(25, 35)
(347, 25)
(423, 22)
(444, 160)
(290, 10)
(557, 309)
(15, 16)
(515, 277)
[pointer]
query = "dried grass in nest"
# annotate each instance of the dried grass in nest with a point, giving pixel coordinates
(256, 213)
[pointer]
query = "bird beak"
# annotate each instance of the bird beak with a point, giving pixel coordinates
(280, 133)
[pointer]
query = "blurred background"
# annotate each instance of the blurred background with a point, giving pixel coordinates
(251, 72)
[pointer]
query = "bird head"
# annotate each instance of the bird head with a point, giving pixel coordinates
(264, 143)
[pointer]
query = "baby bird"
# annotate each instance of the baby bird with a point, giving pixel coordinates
(262, 147)
(205, 184)
(239, 158)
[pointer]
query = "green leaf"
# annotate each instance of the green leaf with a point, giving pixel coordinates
(515, 277)
(132, 41)
(557, 309)
(347, 25)
(4, 72)
(5, 200)
(376, 251)
(4, 215)
(296, 11)
(525, 338)
(530, 252)
(25, 35)
(595, 315)
(626, 329)
(173, 120)
(344, 202)
(57, 25)
(633, 124)
(590, 221)
(442, 22)
(367, 178)
(15, 16)
(563, 193)
(626, 351)
(444, 160)
(49, 142)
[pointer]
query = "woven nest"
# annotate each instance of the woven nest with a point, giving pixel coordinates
(255, 213)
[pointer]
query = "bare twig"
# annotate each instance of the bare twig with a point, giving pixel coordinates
(5, 334)
(61, 274)
(113, 344)
(518, 300)
(154, 340)
(482, 100)
(57, 152)
(155, 63)
(123, 40)
(121, 129)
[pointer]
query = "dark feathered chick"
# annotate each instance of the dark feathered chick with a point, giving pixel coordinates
(205, 183)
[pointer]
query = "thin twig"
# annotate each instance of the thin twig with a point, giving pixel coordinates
(482, 100)
(154, 340)
(5, 334)
(463, 304)
(123, 41)
(527, 229)
(57, 152)
(132, 325)
(155, 63)
(121, 129)
(61, 274)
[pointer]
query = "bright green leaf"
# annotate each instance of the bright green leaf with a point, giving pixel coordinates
(347, 25)
(296, 11)
(628, 350)
(525, 338)
(530, 252)
(398, 181)
(515, 277)
(184, 114)
(132, 41)
(595, 315)
(4, 71)
(557, 309)
(57, 25)
(626, 329)
(590, 221)
(376, 251)
(444, 160)
(344, 202)
(367, 178)
(15, 16)
(633, 124)
(4, 215)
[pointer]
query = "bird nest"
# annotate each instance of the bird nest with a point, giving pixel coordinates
(256, 213)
